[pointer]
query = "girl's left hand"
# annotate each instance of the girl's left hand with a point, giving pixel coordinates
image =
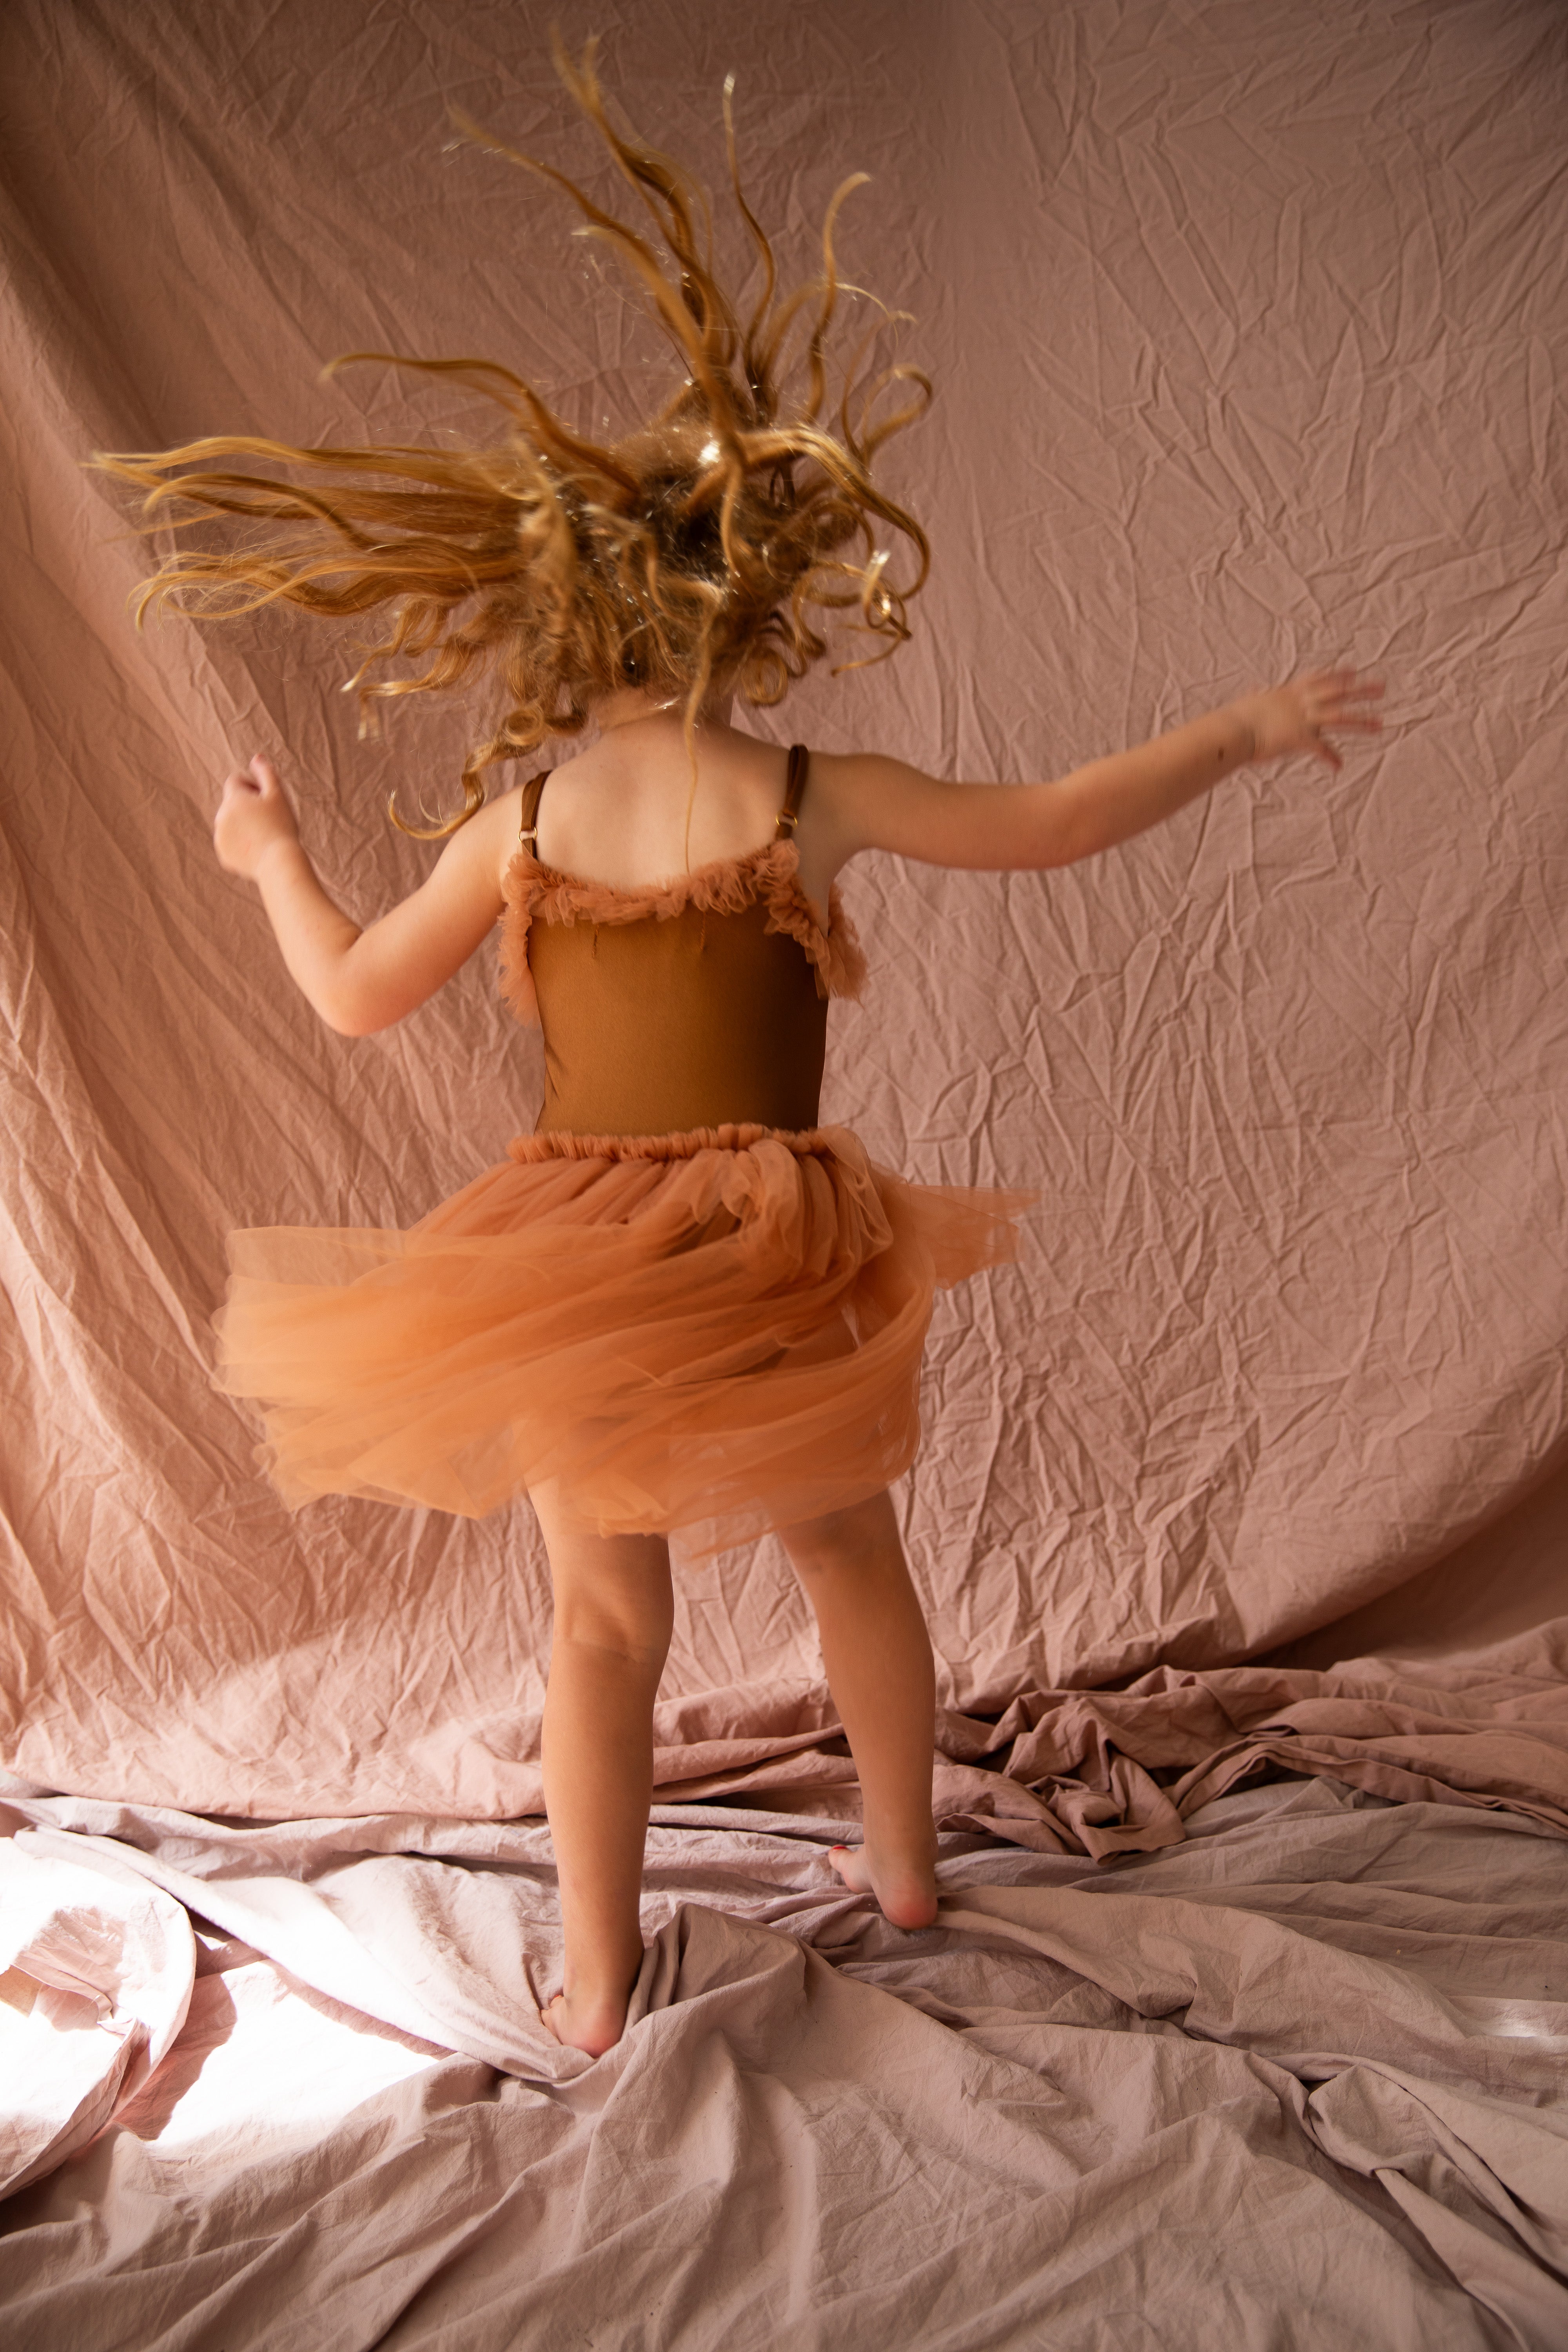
(1294, 718)
(252, 815)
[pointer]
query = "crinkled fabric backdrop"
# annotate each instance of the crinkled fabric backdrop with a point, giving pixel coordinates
(1240, 1514)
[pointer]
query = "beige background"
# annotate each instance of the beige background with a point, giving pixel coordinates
(1246, 346)
(1244, 2016)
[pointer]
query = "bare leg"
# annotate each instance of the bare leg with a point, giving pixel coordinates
(877, 1651)
(613, 1617)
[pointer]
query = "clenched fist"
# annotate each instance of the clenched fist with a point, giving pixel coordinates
(252, 815)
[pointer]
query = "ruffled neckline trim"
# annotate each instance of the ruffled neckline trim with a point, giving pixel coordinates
(534, 891)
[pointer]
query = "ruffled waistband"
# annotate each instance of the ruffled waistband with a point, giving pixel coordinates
(807, 1143)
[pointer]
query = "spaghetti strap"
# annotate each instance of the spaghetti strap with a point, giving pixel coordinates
(789, 815)
(528, 827)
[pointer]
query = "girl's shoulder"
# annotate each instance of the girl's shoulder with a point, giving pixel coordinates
(618, 814)
(625, 813)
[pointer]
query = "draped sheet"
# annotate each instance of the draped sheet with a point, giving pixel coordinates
(1240, 1514)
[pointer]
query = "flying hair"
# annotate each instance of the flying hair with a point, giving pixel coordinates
(706, 550)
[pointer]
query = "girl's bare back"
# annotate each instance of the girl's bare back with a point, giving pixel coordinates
(617, 812)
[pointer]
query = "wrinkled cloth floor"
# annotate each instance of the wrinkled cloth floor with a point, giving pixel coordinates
(1298, 2080)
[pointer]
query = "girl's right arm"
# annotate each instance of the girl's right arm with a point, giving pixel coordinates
(879, 804)
(360, 979)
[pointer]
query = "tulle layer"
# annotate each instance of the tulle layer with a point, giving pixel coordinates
(712, 1333)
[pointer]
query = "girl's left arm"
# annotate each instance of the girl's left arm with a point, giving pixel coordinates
(358, 980)
(871, 803)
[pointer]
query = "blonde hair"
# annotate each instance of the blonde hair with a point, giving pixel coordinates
(706, 549)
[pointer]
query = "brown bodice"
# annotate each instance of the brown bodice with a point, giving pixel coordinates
(697, 1003)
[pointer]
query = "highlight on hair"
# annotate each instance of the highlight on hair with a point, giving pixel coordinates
(708, 548)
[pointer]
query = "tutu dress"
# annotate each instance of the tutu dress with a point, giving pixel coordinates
(679, 1295)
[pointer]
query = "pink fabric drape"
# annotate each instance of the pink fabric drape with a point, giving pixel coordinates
(1240, 1512)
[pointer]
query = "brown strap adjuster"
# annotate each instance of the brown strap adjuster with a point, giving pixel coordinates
(795, 785)
(528, 830)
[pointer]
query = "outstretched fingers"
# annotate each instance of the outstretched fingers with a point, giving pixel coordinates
(1339, 699)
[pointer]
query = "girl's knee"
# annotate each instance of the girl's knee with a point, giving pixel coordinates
(857, 1536)
(616, 1622)
(611, 1592)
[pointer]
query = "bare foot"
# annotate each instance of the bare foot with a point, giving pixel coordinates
(905, 1891)
(594, 2023)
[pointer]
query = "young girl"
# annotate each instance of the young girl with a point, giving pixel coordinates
(681, 1305)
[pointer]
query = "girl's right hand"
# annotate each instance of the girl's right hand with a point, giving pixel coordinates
(1292, 717)
(253, 813)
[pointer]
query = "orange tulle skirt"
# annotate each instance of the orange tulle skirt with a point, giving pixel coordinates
(707, 1334)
